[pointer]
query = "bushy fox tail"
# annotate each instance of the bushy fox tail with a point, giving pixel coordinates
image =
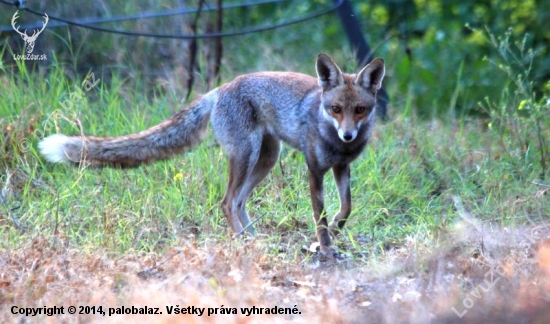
(175, 135)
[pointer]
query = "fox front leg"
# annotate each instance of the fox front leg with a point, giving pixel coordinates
(317, 202)
(342, 177)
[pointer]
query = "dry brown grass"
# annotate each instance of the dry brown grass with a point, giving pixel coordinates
(408, 284)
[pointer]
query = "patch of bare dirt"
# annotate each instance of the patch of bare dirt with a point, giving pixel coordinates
(488, 276)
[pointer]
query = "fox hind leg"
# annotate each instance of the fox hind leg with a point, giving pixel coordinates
(234, 174)
(269, 154)
(247, 168)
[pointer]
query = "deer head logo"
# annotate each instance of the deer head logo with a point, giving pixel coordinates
(29, 39)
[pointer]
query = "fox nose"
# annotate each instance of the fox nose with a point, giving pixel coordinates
(348, 136)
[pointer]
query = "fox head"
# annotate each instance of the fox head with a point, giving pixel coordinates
(348, 100)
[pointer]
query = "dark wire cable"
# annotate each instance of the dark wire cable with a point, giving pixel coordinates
(142, 15)
(199, 36)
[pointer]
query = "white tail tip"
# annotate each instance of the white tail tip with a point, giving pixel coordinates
(53, 148)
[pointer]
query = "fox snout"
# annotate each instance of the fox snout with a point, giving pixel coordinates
(347, 135)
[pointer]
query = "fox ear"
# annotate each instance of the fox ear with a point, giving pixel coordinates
(371, 76)
(328, 72)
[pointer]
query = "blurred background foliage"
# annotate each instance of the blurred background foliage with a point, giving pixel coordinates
(441, 60)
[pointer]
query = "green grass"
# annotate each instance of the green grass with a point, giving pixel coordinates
(404, 187)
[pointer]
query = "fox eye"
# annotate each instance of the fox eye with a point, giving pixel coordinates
(360, 110)
(335, 109)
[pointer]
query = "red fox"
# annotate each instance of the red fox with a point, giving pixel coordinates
(329, 119)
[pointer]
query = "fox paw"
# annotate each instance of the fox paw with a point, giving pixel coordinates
(327, 251)
(330, 252)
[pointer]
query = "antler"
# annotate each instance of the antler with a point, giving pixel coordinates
(44, 23)
(17, 28)
(35, 32)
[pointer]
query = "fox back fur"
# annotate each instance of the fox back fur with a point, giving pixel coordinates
(328, 118)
